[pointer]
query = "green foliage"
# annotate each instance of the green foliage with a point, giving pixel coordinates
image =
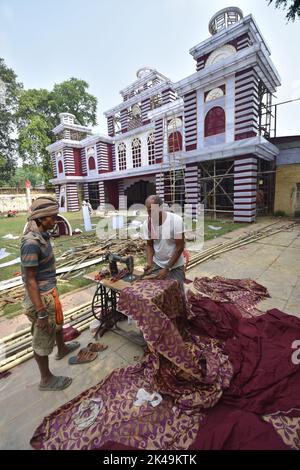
(293, 9)
(8, 144)
(27, 172)
(71, 96)
(279, 214)
(38, 113)
(297, 214)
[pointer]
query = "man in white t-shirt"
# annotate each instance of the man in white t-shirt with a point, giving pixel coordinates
(164, 232)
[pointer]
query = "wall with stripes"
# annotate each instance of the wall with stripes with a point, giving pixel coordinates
(57, 191)
(85, 191)
(145, 107)
(158, 135)
(54, 167)
(122, 197)
(190, 120)
(245, 187)
(168, 96)
(159, 185)
(72, 197)
(102, 157)
(239, 43)
(83, 162)
(69, 164)
(242, 42)
(124, 120)
(110, 126)
(246, 104)
(101, 194)
(191, 190)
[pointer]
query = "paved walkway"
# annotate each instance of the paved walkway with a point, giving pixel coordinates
(273, 262)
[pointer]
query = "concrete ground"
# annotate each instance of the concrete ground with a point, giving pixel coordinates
(273, 262)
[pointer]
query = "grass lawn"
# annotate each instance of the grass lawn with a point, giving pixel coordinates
(15, 225)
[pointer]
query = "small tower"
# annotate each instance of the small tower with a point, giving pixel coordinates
(69, 129)
(224, 18)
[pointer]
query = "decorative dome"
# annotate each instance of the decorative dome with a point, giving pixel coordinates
(224, 18)
(141, 73)
(67, 118)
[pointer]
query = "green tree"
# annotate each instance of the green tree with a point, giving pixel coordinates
(9, 92)
(27, 172)
(292, 6)
(38, 114)
(71, 97)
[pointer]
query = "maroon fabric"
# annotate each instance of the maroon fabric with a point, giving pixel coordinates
(265, 381)
(265, 378)
(211, 318)
(260, 348)
(244, 293)
(70, 333)
(228, 428)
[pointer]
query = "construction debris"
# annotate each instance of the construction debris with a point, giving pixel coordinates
(74, 259)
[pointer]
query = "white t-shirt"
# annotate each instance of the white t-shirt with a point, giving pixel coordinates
(165, 243)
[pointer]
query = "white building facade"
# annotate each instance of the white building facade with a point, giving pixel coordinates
(209, 129)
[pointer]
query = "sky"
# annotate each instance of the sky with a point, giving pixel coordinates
(106, 41)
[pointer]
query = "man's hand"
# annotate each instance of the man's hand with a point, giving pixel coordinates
(163, 274)
(43, 324)
(147, 269)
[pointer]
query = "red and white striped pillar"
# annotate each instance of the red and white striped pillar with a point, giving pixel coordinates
(72, 197)
(245, 186)
(159, 185)
(101, 194)
(191, 190)
(122, 196)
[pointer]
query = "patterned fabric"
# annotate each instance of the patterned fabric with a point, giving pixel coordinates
(243, 293)
(287, 425)
(164, 427)
(189, 372)
(192, 371)
(36, 251)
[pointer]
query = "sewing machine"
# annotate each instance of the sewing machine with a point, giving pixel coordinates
(105, 301)
(113, 259)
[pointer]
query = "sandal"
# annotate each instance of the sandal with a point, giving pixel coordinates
(69, 348)
(83, 356)
(96, 347)
(57, 383)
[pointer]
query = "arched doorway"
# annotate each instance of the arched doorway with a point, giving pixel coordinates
(138, 192)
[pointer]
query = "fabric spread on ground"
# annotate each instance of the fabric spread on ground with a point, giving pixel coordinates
(222, 368)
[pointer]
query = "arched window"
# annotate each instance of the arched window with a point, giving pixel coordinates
(122, 156)
(60, 167)
(151, 149)
(214, 121)
(92, 163)
(175, 142)
(136, 152)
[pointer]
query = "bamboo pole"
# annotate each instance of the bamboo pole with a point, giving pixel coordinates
(23, 341)
(17, 361)
(249, 240)
(66, 315)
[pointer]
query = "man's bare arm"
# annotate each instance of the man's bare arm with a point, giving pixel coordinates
(163, 273)
(177, 251)
(149, 253)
